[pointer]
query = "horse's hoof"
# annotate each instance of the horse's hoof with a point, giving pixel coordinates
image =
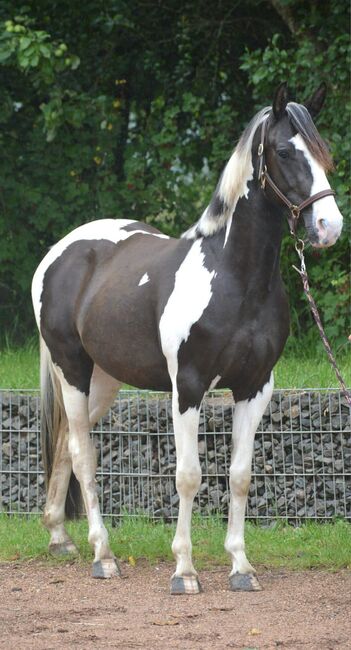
(244, 582)
(64, 548)
(185, 585)
(107, 568)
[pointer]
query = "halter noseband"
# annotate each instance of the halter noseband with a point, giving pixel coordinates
(264, 178)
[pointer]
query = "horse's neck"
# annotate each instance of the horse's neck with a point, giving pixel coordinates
(252, 248)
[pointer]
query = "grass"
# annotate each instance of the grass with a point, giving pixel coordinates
(311, 545)
(19, 368)
(304, 371)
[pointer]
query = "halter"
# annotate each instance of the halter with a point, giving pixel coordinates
(264, 178)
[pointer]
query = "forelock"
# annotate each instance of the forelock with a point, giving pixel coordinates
(303, 123)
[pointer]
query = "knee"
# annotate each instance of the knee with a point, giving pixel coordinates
(188, 478)
(240, 479)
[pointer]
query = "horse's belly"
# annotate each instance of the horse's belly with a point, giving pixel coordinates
(130, 358)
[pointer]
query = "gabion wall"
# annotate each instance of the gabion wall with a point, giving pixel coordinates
(301, 466)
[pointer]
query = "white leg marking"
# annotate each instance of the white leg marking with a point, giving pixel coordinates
(247, 416)
(83, 456)
(144, 280)
(188, 479)
(103, 389)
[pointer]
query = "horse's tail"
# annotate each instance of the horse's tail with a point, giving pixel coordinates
(53, 425)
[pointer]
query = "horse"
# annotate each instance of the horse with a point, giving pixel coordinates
(117, 301)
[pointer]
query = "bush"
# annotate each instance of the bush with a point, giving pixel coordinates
(124, 111)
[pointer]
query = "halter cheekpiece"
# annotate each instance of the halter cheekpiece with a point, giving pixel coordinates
(264, 178)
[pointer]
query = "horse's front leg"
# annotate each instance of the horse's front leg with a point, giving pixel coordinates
(188, 479)
(247, 416)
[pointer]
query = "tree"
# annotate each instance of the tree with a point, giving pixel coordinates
(131, 109)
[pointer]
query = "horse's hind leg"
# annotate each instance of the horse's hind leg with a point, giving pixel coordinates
(103, 389)
(247, 416)
(83, 457)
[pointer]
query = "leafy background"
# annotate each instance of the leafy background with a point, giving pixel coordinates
(131, 109)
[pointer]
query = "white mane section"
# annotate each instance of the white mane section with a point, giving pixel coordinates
(232, 184)
(239, 169)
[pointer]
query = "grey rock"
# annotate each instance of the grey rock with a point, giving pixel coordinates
(300, 467)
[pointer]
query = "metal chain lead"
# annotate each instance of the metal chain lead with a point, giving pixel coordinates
(299, 247)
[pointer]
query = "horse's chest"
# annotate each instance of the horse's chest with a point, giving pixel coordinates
(253, 348)
(237, 340)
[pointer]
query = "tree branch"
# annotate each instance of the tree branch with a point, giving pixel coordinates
(286, 14)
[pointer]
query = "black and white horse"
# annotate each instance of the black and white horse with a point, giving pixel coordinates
(117, 301)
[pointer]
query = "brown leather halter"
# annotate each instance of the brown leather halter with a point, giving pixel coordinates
(264, 178)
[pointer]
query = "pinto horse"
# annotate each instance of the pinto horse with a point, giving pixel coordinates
(118, 301)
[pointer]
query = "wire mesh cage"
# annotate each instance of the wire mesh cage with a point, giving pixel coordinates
(301, 464)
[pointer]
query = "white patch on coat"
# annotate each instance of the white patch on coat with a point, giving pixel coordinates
(144, 280)
(327, 218)
(109, 229)
(214, 382)
(191, 294)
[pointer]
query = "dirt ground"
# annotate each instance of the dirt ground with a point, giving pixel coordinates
(47, 607)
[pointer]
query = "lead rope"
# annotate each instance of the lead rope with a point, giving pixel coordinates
(299, 247)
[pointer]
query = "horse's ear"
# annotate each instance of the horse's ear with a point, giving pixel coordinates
(315, 103)
(280, 100)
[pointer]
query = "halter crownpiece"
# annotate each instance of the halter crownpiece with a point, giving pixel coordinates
(264, 178)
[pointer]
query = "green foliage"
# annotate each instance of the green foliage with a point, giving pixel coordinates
(120, 109)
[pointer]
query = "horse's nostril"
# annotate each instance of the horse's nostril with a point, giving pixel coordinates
(323, 223)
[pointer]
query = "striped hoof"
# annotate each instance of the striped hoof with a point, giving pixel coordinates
(185, 585)
(65, 548)
(107, 568)
(244, 582)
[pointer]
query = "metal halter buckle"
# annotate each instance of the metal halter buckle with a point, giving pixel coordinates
(295, 211)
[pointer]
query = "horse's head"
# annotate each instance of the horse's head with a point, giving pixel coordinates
(295, 161)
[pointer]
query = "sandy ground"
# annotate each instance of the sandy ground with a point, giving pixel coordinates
(47, 607)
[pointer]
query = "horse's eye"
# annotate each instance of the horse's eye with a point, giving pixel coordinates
(283, 153)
